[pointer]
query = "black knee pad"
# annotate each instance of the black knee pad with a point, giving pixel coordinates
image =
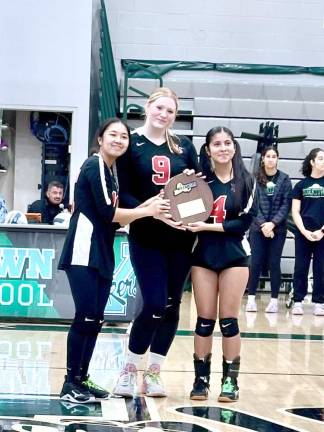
(87, 325)
(150, 314)
(172, 311)
(229, 327)
(204, 326)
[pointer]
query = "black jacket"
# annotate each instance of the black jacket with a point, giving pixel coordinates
(47, 210)
(281, 203)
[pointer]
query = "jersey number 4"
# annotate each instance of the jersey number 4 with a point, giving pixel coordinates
(161, 167)
(218, 211)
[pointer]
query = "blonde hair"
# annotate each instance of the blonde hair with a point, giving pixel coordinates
(171, 139)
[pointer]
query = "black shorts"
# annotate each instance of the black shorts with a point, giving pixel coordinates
(241, 262)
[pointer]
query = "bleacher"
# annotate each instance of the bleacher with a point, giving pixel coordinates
(241, 102)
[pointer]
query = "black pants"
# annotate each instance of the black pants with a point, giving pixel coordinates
(304, 250)
(264, 250)
(90, 293)
(161, 276)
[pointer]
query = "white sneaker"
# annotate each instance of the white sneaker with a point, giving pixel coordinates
(297, 309)
(127, 381)
(319, 309)
(272, 306)
(152, 383)
(251, 306)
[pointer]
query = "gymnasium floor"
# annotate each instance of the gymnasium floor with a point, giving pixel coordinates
(281, 382)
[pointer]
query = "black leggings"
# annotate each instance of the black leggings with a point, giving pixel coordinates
(304, 250)
(90, 293)
(161, 276)
(262, 249)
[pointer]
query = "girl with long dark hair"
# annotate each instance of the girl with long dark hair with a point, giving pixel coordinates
(221, 261)
(88, 255)
(308, 215)
(268, 230)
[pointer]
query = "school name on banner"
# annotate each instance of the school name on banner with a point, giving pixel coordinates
(32, 287)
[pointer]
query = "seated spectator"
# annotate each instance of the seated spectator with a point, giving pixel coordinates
(50, 206)
(3, 210)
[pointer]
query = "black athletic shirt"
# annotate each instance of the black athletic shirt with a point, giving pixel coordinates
(90, 238)
(142, 172)
(310, 191)
(216, 250)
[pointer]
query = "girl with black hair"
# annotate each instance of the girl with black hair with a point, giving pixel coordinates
(88, 255)
(308, 215)
(268, 230)
(221, 261)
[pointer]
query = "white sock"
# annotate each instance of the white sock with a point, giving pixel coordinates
(251, 298)
(154, 358)
(134, 359)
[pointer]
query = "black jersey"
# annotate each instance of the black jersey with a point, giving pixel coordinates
(142, 172)
(310, 191)
(90, 238)
(217, 250)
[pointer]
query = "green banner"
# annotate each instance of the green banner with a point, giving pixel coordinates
(161, 67)
(32, 287)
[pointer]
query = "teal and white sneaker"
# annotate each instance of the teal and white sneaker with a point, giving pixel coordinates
(96, 391)
(229, 391)
(152, 382)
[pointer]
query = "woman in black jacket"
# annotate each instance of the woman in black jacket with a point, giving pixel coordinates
(269, 228)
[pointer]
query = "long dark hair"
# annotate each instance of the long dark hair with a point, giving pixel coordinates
(101, 130)
(261, 175)
(242, 182)
(307, 166)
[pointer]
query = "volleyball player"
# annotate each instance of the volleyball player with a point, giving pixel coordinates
(160, 250)
(268, 230)
(221, 262)
(308, 215)
(88, 256)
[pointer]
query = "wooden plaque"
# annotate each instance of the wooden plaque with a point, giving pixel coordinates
(191, 199)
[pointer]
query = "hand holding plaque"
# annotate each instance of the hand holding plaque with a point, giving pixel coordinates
(191, 199)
